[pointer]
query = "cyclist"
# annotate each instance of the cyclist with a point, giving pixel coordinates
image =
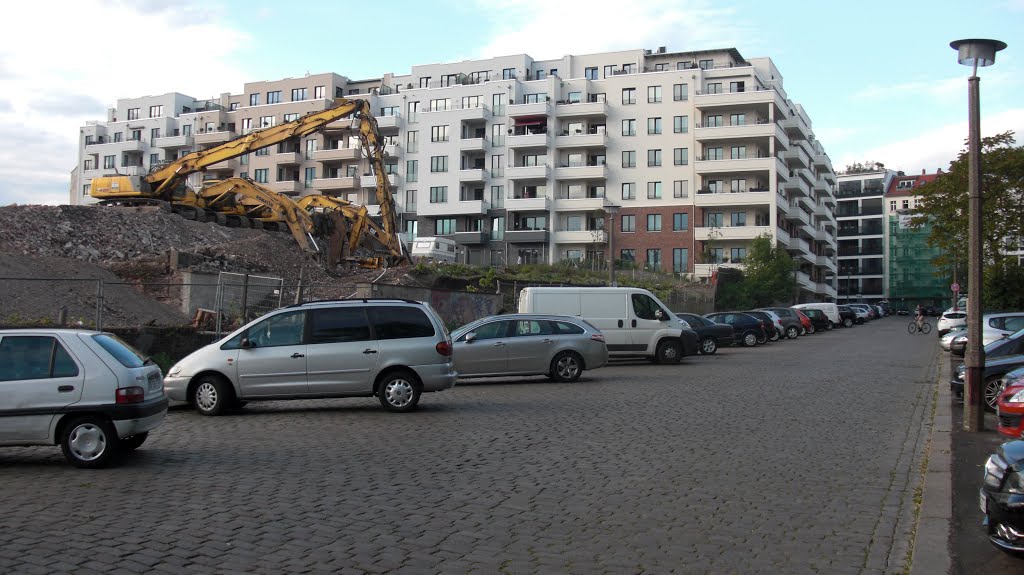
(920, 316)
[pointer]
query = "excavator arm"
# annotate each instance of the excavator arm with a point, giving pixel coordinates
(261, 203)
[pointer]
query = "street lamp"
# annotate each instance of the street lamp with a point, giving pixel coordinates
(610, 211)
(974, 53)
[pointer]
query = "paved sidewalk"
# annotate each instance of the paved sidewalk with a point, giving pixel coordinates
(932, 540)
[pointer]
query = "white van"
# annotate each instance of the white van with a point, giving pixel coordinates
(634, 322)
(436, 248)
(831, 311)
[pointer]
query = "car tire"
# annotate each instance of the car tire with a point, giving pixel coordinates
(847, 322)
(399, 391)
(991, 391)
(762, 340)
(776, 336)
(810, 330)
(708, 346)
(749, 339)
(211, 395)
(90, 442)
(829, 326)
(134, 442)
(792, 332)
(668, 352)
(566, 367)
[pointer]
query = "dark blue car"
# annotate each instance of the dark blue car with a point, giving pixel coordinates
(747, 328)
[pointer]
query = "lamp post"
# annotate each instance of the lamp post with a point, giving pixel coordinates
(610, 211)
(974, 53)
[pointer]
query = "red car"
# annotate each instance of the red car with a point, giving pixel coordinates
(805, 321)
(1010, 405)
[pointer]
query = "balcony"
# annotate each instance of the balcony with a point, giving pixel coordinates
(542, 203)
(798, 186)
(581, 204)
(745, 99)
(337, 154)
(782, 236)
(384, 122)
(224, 165)
(733, 198)
(455, 114)
(453, 208)
(581, 237)
(336, 184)
(797, 215)
(795, 124)
(581, 109)
(782, 203)
(825, 262)
(757, 130)
(806, 203)
(471, 144)
(727, 233)
(527, 141)
(730, 165)
(370, 181)
(174, 142)
(288, 159)
(800, 247)
(286, 187)
(532, 109)
(796, 156)
(214, 137)
(472, 175)
(705, 270)
(391, 150)
(581, 140)
(526, 236)
(804, 281)
(527, 173)
(470, 238)
(581, 172)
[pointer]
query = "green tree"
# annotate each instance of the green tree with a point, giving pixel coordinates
(945, 208)
(731, 290)
(769, 273)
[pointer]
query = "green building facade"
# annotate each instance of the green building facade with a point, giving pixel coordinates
(912, 275)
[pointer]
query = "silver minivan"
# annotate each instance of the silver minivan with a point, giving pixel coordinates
(392, 349)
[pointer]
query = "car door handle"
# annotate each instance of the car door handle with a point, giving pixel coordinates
(368, 350)
(547, 341)
(64, 388)
(620, 323)
(297, 355)
(634, 323)
(500, 344)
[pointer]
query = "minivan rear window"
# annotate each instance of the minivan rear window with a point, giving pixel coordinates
(121, 351)
(400, 322)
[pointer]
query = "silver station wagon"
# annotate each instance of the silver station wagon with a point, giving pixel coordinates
(561, 347)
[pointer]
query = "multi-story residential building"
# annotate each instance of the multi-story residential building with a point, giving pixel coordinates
(522, 160)
(861, 217)
(912, 277)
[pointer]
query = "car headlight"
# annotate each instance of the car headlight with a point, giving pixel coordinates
(1017, 397)
(961, 374)
(994, 469)
(175, 370)
(1014, 483)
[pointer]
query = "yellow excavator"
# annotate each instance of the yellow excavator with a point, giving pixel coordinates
(352, 235)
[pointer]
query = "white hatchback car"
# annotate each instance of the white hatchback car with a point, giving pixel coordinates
(951, 320)
(88, 391)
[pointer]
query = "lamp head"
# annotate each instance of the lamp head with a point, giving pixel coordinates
(977, 52)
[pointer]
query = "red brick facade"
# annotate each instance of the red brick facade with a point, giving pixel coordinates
(666, 240)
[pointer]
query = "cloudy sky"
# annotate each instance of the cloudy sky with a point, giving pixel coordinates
(877, 78)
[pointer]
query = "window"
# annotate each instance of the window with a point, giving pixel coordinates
(449, 80)
(440, 104)
(628, 224)
(498, 105)
(274, 97)
(310, 175)
(553, 71)
(262, 152)
(340, 324)
(680, 260)
(119, 136)
(535, 98)
(629, 127)
(532, 223)
(299, 94)
(133, 113)
(85, 189)
(438, 194)
(498, 228)
(714, 88)
(109, 162)
(590, 73)
(609, 71)
(425, 82)
(739, 219)
(653, 125)
(439, 133)
(680, 124)
(735, 87)
(653, 94)
(680, 222)
(629, 95)
(136, 135)
(737, 119)
(508, 74)
(34, 357)
(291, 117)
(389, 111)
(738, 152)
(706, 64)
(714, 154)
(400, 322)
(737, 255)
(654, 191)
(254, 99)
(438, 164)
(246, 125)
(680, 92)
(712, 121)
(412, 170)
(260, 175)
(154, 133)
(654, 222)
(267, 121)
(713, 219)
(653, 263)
(715, 256)
(156, 111)
(892, 205)
(413, 109)
(629, 159)
(653, 158)
(629, 191)
(154, 159)
(680, 156)
(680, 189)
(627, 256)
(629, 68)
(906, 204)
(444, 226)
(411, 227)
(282, 329)
(319, 92)
(90, 164)
(738, 186)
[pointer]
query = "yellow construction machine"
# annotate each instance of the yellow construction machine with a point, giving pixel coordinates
(350, 233)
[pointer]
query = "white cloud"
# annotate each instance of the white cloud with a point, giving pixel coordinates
(936, 148)
(88, 54)
(547, 30)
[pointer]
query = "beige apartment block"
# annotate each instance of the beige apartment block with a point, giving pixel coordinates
(694, 154)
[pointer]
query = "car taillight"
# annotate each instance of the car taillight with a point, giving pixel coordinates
(597, 337)
(444, 348)
(134, 394)
(779, 321)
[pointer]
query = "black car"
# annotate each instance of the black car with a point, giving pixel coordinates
(710, 335)
(1002, 497)
(747, 328)
(774, 330)
(847, 316)
(791, 324)
(992, 377)
(818, 319)
(997, 356)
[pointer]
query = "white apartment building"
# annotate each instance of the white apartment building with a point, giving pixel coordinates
(694, 154)
(862, 221)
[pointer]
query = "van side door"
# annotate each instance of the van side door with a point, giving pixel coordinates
(341, 356)
(644, 322)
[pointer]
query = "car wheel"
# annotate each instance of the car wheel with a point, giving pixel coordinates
(708, 346)
(776, 336)
(566, 367)
(212, 395)
(792, 332)
(847, 322)
(810, 330)
(134, 442)
(991, 391)
(89, 442)
(803, 331)
(829, 326)
(668, 352)
(749, 339)
(399, 391)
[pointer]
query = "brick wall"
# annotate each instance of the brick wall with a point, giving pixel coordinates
(666, 240)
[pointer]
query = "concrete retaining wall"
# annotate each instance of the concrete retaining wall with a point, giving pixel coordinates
(456, 308)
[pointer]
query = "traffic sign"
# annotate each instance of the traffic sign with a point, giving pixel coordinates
(955, 288)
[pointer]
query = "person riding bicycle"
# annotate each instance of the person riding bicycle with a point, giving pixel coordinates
(920, 316)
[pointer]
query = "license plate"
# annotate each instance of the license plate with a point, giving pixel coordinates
(983, 503)
(155, 383)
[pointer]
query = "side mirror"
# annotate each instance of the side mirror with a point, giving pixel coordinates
(245, 343)
(660, 315)
(470, 337)
(1006, 336)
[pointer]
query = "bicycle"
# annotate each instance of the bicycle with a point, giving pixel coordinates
(925, 327)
